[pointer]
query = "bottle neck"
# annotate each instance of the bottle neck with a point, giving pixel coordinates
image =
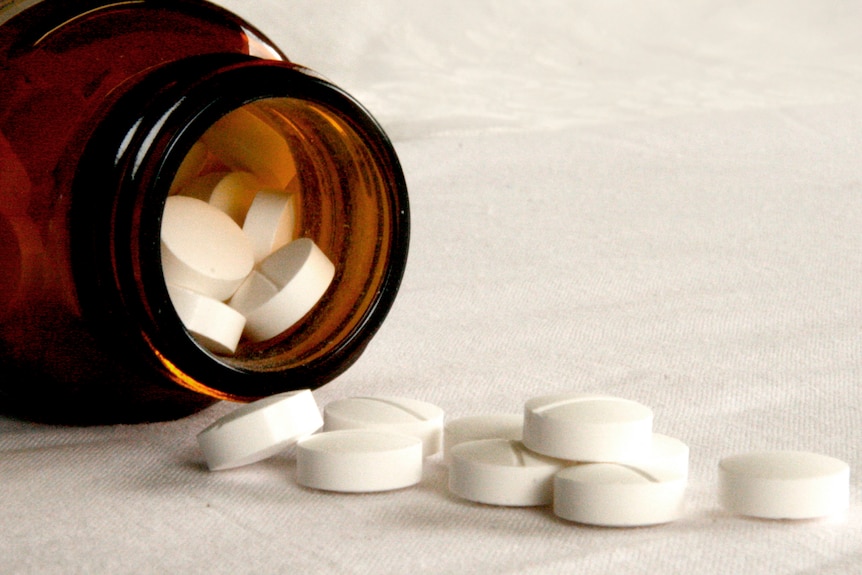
(354, 207)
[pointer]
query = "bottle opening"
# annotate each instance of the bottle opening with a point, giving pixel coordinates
(277, 234)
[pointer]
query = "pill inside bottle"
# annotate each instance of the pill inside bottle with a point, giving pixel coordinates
(277, 213)
(246, 224)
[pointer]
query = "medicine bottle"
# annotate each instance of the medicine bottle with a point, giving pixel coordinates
(104, 111)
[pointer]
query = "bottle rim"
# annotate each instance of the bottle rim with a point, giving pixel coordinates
(119, 194)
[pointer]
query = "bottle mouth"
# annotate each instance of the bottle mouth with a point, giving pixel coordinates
(246, 129)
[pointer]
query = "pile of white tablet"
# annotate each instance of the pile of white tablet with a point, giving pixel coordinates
(233, 263)
(594, 459)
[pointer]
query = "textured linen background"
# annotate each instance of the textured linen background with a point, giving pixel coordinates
(660, 200)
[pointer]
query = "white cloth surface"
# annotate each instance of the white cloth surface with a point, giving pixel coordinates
(657, 200)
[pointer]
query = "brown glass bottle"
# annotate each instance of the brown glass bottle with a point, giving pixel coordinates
(100, 104)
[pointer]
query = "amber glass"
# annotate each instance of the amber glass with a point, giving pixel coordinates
(99, 106)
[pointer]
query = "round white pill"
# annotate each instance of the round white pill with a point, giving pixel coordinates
(396, 414)
(246, 143)
(358, 461)
(666, 452)
(255, 291)
(616, 495)
(502, 472)
(302, 273)
(259, 430)
(217, 326)
(233, 194)
(587, 427)
(203, 249)
(784, 484)
(475, 427)
(285, 264)
(269, 223)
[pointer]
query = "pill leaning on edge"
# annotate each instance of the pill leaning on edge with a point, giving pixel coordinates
(245, 142)
(397, 414)
(269, 222)
(359, 461)
(217, 326)
(502, 472)
(302, 273)
(260, 429)
(234, 193)
(783, 484)
(587, 427)
(616, 495)
(255, 291)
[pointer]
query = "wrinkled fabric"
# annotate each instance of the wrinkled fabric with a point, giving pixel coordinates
(657, 200)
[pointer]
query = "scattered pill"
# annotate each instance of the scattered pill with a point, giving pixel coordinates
(586, 427)
(246, 143)
(260, 429)
(358, 461)
(616, 495)
(302, 273)
(217, 326)
(475, 427)
(502, 472)
(269, 223)
(397, 414)
(372, 444)
(203, 249)
(783, 484)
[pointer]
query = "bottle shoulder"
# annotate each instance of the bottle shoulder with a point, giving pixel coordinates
(60, 60)
(172, 29)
